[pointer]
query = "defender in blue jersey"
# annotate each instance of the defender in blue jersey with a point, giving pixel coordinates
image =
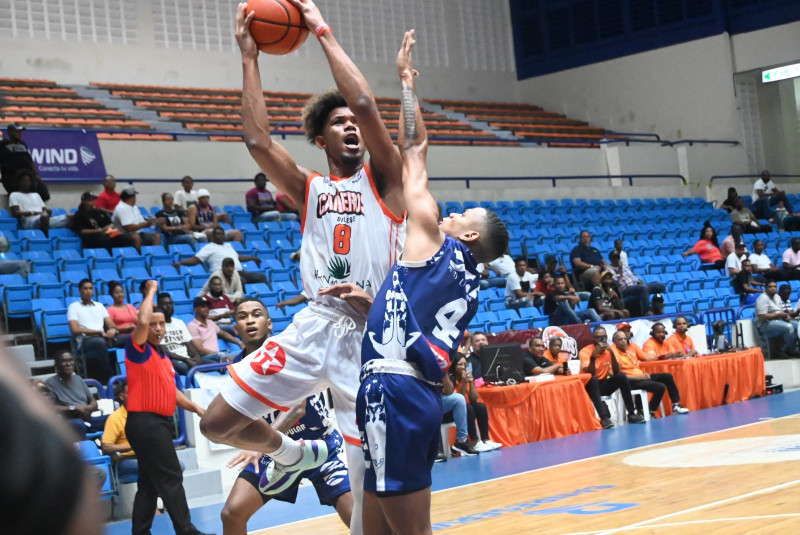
(414, 324)
(308, 421)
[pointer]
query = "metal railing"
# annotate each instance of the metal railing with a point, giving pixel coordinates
(555, 179)
(728, 177)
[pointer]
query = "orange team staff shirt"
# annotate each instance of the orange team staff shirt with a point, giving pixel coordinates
(628, 361)
(602, 363)
(676, 343)
(561, 358)
(652, 348)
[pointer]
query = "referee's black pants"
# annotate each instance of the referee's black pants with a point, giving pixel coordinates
(150, 436)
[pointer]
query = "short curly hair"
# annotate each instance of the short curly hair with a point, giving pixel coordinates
(317, 109)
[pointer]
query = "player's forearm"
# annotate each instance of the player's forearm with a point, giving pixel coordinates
(255, 118)
(349, 80)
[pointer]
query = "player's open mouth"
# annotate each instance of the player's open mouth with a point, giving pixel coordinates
(253, 331)
(351, 141)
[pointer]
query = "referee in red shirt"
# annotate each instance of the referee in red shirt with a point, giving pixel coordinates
(152, 396)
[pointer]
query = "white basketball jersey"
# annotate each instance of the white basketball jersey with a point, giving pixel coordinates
(348, 236)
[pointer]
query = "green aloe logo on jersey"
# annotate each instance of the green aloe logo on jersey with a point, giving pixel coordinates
(339, 267)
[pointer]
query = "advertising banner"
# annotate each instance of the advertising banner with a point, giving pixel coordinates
(66, 155)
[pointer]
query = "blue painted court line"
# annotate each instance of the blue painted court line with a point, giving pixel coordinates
(509, 461)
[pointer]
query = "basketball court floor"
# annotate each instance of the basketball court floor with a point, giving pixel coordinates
(733, 469)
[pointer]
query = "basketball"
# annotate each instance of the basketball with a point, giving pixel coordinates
(277, 27)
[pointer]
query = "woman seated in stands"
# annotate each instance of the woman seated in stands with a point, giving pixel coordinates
(174, 223)
(95, 228)
(605, 297)
(122, 314)
(465, 385)
(708, 248)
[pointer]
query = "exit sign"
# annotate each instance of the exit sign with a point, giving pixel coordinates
(781, 73)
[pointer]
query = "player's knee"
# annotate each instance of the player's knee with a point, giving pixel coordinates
(213, 426)
(232, 517)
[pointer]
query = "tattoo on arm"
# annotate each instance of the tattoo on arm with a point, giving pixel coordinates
(409, 99)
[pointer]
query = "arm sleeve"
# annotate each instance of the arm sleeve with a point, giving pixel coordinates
(193, 331)
(512, 282)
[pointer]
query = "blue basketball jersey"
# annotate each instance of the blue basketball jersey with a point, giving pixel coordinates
(422, 309)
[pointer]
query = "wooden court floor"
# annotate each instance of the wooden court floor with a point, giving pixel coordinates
(743, 480)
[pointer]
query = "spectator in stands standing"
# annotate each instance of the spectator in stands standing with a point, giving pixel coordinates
(218, 250)
(766, 195)
(745, 284)
(586, 260)
(791, 260)
(175, 225)
(152, 400)
(733, 264)
(635, 292)
(598, 360)
(605, 300)
(231, 282)
(464, 384)
(95, 227)
(680, 339)
(741, 215)
(15, 156)
(187, 196)
(656, 383)
(203, 217)
(29, 208)
(94, 332)
(656, 348)
(177, 342)
(261, 205)
(727, 245)
(108, 198)
(128, 217)
(560, 306)
(707, 247)
(122, 314)
(730, 201)
(772, 320)
(520, 286)
(206, 334)
(762, 265)
(71, 396)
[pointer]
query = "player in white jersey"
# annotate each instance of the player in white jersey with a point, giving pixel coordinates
(352, 231)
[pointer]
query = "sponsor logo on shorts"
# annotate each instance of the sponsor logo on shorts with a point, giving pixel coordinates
(269, 360)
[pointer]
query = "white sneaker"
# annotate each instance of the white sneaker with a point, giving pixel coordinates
(494, 445)
(276, 477)
(480, 447)
(676, 408)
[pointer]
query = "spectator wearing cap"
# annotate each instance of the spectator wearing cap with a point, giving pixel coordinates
(605, 299)
(635, 292)
(128, 217)
(213, 254)
(95, 227)
(108, 198)
(206, 334)
(15, 156)
(520, 286)
(733, 264)
(586, 260)
(261, 205)
(656, 306)
(29, 208)
(203, 217)
(187, 195)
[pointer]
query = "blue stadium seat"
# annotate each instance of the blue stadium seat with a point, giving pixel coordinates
(17, 302)
(55, 328)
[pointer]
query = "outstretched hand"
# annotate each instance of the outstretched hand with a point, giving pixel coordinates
(405, 63)
(311, 13)
(247, 44)
(351, 293)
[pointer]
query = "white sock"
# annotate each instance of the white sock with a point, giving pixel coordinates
(288, 453)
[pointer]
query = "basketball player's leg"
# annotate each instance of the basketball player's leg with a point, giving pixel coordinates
(408, 514)
(373, 519)
(225, 424)
(344, 507)
(242, 503)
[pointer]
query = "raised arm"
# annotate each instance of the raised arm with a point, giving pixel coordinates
(271, 157)
(384, 158)
(423, 236)
(139, 335)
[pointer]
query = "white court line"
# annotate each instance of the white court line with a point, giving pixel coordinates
(692, 522)
(699, 508)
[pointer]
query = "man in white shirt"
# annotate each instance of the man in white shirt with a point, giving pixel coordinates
(766, 195)
(520, 289)
(494, 274)
(187, 196)
(212, 254)
(94, 332)
(177, 341)
(29, 208)
(128, 217)
(762, 265)
(772, 320)
(231, 282)
(733, 264)
(791, 260)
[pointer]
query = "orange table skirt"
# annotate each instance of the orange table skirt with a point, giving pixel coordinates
(537, 411)
(702, 381)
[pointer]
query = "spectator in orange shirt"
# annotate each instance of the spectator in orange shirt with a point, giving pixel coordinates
(600, 362)
(109, 198)
(707, 247)
(679, 340)
(655, 348)
(655, 383)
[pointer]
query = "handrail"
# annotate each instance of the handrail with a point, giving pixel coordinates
(554, 179)
(691, 142)
(628, 141)
(717, 177)
(188, 382)
(686, 315)
(632, 134)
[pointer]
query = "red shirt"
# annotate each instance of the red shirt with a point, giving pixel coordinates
(107, 200)
(151, 380)
(709, 253)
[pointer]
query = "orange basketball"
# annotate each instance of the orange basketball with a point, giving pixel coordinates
(278, 27)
